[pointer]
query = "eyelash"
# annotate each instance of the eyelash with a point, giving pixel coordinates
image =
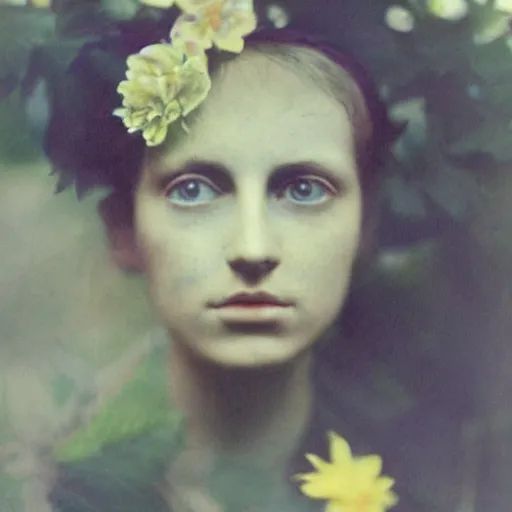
(330, 189)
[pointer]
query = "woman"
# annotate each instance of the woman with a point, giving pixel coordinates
(247, 220)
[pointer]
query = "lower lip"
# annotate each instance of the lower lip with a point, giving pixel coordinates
(251, 312)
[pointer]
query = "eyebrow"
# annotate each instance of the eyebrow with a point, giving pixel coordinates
(221, 174)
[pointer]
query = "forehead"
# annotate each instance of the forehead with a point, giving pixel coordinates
(263, 111)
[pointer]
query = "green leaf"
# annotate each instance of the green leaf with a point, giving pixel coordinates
(141, 407)
(120, 478)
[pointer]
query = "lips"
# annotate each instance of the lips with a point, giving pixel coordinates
(258, 299)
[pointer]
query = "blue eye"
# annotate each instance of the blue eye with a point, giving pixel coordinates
(304, 188)
(189, 191)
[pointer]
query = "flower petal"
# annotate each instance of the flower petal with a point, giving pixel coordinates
(138, 65)
(155, 133)
(339, 449)
(323, 486)
(368, 467)
(237, 21)
(164, 55)
(198, 6)
(172, 112)
(189, 28)
(198, 85)
(136, 93)
(390, 499)
(335, 506)
(120, 112)
(233, 44)
(317, 462)
(385, 483)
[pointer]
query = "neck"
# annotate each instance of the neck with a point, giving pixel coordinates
(256, 415)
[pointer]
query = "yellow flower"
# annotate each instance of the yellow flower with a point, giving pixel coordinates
(161, 4)
(222, 23)
(452, 10)
(347, 483)
(164, 83)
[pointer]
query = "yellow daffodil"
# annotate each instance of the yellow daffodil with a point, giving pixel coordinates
(160, 4)
(164, 83)
(452, 10)
(222, 23)
(347, 483)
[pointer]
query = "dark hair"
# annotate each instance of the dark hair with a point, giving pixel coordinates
(89, 147)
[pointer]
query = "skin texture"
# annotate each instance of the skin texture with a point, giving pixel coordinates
(198, 248)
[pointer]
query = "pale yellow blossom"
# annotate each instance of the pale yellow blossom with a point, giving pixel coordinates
(503, 5)
(161, 4)
(452, 10)
(347, 483)
(400, 19)
(41, 4)
(164, 83)
(222, 23)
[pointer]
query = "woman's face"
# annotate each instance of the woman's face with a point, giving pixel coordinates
(267, 173)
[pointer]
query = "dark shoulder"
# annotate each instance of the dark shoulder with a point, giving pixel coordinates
(124, 477)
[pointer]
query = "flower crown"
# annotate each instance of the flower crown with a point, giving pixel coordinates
(167, 81)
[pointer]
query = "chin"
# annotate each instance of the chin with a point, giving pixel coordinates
(256, 352)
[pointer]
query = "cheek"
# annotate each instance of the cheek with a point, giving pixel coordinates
(330, 260)
(177, 260)
(325, 264)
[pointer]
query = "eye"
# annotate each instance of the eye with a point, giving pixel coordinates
(191, 190)
(308, 190)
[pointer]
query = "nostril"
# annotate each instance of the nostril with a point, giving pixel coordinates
(253, 269)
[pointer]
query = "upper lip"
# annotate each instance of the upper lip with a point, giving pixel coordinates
(252, 298)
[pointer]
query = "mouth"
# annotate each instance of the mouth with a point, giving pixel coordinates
(253, 305)
(254, 313)
(256, 300)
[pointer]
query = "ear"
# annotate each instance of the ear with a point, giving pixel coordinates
(116, 211)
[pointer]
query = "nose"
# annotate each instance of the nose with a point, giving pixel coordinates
(253, 271)
(252, 253)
